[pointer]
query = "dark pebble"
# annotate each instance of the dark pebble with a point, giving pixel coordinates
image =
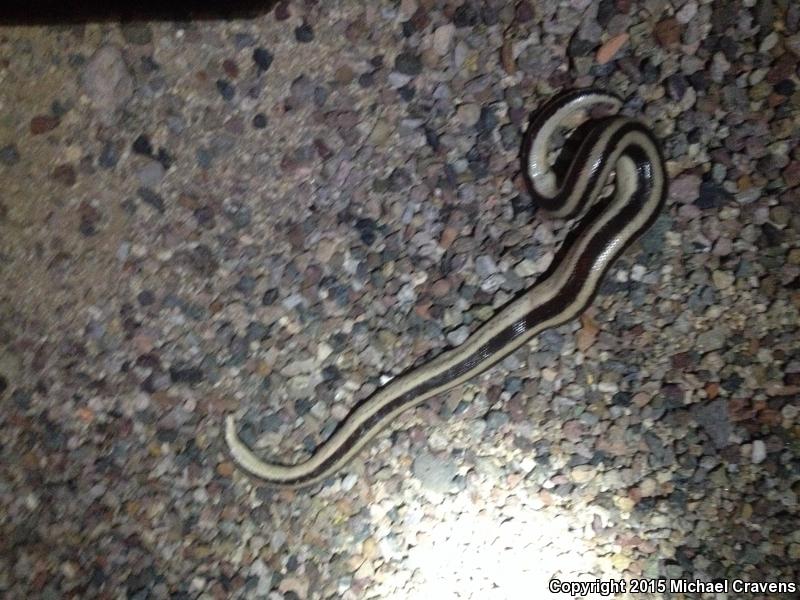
(676, 86)
(408, 63)
(699, 81)
(239, 349)
(304, 33)
(190, 375)
(263, 58)
(76, 60)
(399, 180)
(238, 214)
(246, 284)
(302, 406)
(142, 145)
(366, 229)
(672, 396)
(225, 89)
(712, 195)
(164, 158)
(478, 162)
(407, 92)
(524, 12)
(202, 260)
(331, 373)
(490, 15)
(785, 87)
(269, 297)
(771, 236)
(9, 155)
(579, 47)
(204, 158)
(651, 72)
(129, 206)
(243, 40)
(59, 109)
(621, 399)
(165, 435)
(149, 65)
(282, 11)
(338, 341)
(146, 297)
(256, 331)
(603, 70)
(322, 149)
(732, 383)
(366, 80)
(521, 205)
(260, 121)
(151, 198)
(109, 156)
(487, 121)
(432, 138)
(21, 399)
(605, 10)
(465, 15)
(321, 94)
(204, 216)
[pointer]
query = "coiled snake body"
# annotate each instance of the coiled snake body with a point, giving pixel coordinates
(614, 145)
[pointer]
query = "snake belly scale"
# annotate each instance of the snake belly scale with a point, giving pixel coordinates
(614, 148)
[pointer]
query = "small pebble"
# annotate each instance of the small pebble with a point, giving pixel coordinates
(304, 33)
(759, 452)
(407, 63)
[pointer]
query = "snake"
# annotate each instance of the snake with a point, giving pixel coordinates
(613, 188)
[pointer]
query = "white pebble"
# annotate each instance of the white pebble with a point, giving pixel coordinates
(759, 452)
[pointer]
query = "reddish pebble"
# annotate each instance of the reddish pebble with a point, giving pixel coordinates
(231, 68)
(65, 174)
(524, 12)
(791, 174)
(609, 50)
(225, 469)
(668, 32)
(282, 11)
(43, 123)
(448, 236)
(573, 430)
(322, 149)
(623, 6)
(441, 288)
(783, 68)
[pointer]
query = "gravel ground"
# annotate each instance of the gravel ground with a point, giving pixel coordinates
(269, 216)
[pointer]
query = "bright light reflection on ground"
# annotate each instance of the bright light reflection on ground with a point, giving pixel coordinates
(491, 553)
(477, 557)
